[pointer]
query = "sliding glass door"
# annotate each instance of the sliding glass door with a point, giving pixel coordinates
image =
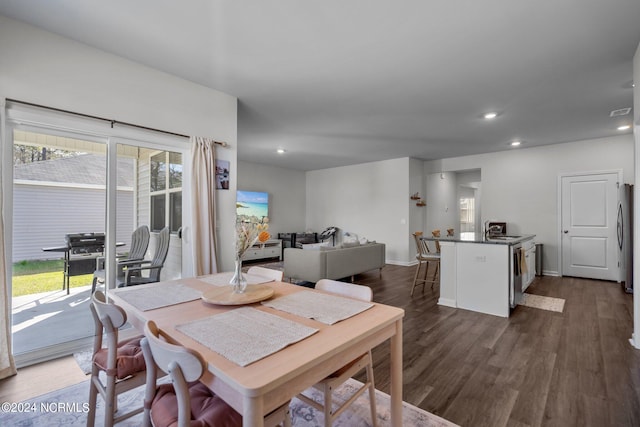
(76, 199)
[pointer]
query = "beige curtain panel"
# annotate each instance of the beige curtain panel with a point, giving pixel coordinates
(203, 176)
(7, 365)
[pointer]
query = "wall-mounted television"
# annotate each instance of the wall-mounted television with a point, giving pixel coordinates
(252, 206)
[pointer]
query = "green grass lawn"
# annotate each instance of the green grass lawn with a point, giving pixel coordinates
(30, 277)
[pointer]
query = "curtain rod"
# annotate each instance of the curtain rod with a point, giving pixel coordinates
(113, 122)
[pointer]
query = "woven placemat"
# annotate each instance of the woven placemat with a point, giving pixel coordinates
(245, 335)
(328, 309)
(147, 298)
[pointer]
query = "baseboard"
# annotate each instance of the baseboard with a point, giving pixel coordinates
(633, 341)
(447, 302)
(550, 273)
(401, 263)
(52, 352)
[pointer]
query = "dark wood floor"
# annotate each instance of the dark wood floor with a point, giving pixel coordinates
(537, 368)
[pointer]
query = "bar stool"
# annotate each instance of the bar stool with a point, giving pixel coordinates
(424, 255)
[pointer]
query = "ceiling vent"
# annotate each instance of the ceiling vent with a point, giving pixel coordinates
(620, 112)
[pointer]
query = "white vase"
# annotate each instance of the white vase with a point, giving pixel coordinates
(238, 281)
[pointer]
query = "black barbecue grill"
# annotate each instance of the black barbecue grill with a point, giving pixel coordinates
(80, 254)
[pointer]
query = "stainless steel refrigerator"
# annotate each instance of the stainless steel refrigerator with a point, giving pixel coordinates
(625, 236)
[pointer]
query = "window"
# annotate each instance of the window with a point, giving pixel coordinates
(165, 186)
(467, 214)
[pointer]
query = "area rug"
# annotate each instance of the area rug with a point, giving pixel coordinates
(84, 360)
(543, 302)
(67, 407)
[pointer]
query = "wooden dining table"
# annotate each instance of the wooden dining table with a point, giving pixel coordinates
(260, 387)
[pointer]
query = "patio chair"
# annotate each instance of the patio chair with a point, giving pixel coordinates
(186, 401)
(327, 385)
(133, 269)
(121, 362)
(139, 245)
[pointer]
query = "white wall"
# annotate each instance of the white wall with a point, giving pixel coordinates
(442, 202)
(417, 214)
(43, 68)
(520, 186)
(369, 199)
(287, 194)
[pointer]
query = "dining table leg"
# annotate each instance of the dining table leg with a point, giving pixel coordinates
(396, 376)
(253, 415)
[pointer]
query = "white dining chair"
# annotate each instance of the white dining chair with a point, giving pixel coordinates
(365, 361)
(186, 401)
(116, 368)
(266, 272)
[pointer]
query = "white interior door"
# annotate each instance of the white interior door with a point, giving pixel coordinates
(588, 225)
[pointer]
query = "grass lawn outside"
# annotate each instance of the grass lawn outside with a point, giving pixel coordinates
(31, 277)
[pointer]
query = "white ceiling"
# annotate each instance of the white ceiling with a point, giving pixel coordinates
(343, 82)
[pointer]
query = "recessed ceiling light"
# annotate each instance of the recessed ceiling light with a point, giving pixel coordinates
(624, 127)
(490, 116)
(280, 151)
(515, 143)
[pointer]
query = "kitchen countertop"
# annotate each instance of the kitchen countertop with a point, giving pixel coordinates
(480, 238)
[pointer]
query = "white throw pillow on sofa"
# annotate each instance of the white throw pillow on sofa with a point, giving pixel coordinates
(351, 244)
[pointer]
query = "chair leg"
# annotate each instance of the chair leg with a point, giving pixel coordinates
(435, 274)
(93, 395)
(426, 273)
(372, 394)
(328, 406)
(415, 277)
(110, 406)
(287, 418)
(278, 417)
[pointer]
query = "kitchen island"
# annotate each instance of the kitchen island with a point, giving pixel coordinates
(485, 274)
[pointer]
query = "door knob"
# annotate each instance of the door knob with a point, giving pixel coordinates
(566, 231)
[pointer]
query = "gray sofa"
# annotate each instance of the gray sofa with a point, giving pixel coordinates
(332, 263)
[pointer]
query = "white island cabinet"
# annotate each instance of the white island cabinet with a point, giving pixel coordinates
(483, 275)
(530, 255)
